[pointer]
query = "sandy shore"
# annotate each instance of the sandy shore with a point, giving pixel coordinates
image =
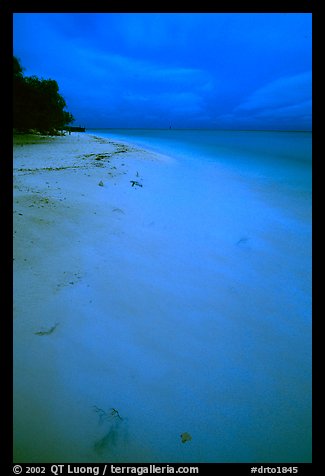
(154, 299)
(73, 196)
(79, 205)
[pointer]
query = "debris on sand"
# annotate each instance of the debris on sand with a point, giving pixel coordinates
(107, 415)
(135, 183)
(48, 332)
(185, 437)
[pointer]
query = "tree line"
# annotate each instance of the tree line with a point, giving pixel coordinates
(37, 104)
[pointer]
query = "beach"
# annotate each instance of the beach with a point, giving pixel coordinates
(155, 297)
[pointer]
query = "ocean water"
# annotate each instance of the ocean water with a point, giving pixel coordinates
(245, 148)
(193, 315)
(275, 159)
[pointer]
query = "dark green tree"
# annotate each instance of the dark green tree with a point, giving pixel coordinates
(37, 103)
(18, 70)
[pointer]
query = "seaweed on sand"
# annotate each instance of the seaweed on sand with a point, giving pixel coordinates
(113, 413)
(48, 332)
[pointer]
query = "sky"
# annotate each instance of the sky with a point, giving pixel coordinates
(179, 70)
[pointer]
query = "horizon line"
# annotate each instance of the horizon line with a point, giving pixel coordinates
(200, 129)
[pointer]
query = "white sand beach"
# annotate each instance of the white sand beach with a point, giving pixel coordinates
(139, 318)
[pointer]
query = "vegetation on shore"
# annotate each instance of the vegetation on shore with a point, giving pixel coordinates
(37, 104)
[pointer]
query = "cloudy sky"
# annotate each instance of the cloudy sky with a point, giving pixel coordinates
(211, 70)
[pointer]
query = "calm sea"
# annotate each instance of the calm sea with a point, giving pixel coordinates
(280, 156)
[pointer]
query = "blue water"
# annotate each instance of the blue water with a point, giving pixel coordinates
(294, 145)
(282, 156)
